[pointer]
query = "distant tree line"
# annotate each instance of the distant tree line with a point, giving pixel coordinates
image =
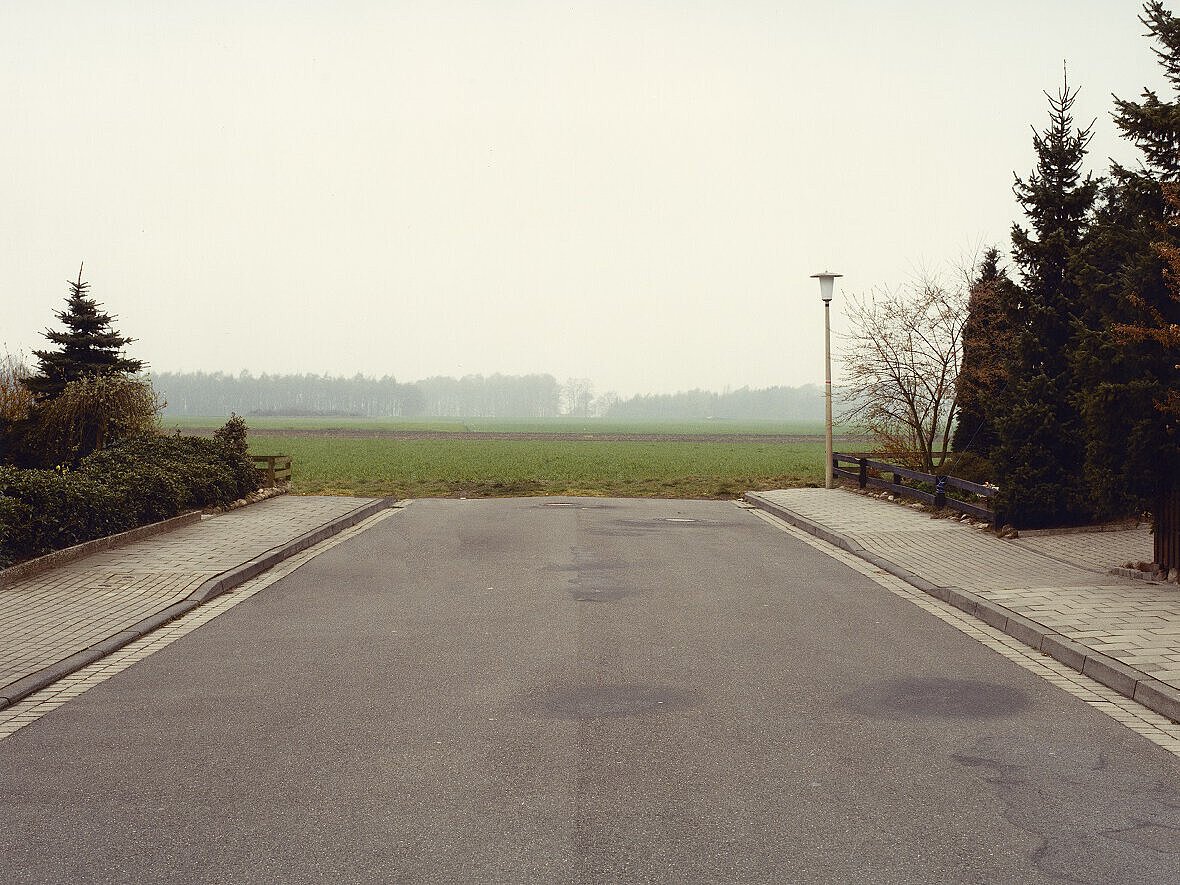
(767, 403)
(472, 396)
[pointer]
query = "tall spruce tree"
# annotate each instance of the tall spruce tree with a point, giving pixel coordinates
(1040, 450)
(88, 347)
(988, 356)
(1130, 374)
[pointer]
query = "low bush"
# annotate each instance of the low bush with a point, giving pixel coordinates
(135, 482)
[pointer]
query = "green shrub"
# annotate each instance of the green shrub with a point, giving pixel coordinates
(135, 482)
(47, 510)
(180, 471)
(232, 434)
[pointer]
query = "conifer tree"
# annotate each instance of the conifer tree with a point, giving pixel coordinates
(1040, 448)
(988, 355)
(1129, 374)
(88, 347)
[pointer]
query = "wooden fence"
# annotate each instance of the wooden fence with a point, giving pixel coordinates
(871, 474)
(274, 468)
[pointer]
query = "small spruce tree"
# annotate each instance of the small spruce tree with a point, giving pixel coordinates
(88, 347)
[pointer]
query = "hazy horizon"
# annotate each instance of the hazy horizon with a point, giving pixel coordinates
(632, 193)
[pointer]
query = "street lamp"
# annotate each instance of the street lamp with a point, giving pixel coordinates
(827, 282)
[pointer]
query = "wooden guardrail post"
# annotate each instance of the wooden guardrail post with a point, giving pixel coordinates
(1166, 538)
(864, 472)
(273, 467)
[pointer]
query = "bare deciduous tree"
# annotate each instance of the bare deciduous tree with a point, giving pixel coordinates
(15, 399)
(901, 363)
(93, 412)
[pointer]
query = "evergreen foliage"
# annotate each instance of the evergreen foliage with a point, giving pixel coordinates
(89, 346)
(1151, 124)
(1040, 447)
(1124, 357)
(232, 434)
(126, 485)
(988, 356)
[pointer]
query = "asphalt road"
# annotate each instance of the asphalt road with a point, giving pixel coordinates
(504, 690)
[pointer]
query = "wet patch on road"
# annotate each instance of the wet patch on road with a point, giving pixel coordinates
(581, 568)
(602, 594)
(937, 697)
(1163, 839)
(575, 505)
(636, 528)
(580, 701)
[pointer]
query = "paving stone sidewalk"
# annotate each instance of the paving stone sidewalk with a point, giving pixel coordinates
(1060, 581)
(46, 618)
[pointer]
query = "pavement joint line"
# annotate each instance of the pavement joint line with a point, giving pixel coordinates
(211, 588)
(37, 704)
(1159, 729)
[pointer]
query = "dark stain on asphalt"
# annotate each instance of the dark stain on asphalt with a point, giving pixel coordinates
(602, 594)
(937, 697)
(638, 528)
(1163, 839)
(578, 568)
(581, 701)
(574, 505)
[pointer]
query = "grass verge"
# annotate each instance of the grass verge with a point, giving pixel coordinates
(495, 468)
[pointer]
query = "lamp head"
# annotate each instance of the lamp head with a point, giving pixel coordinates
(827, 282)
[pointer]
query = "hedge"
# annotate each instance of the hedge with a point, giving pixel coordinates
(136, 482)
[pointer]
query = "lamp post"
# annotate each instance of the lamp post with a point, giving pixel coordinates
(827, 282)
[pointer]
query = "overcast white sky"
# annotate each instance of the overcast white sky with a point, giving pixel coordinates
(633, 192)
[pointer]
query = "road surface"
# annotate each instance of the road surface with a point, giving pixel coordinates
(613, 691)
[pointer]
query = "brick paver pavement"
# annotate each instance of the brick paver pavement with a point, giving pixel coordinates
(1060, 581)
(51, 616)
(1100, 551)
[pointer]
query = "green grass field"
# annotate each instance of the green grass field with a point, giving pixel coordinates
(492, 468)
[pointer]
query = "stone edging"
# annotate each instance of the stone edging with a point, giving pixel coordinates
(1126, 680)
(1154, 577)
(211, 588)
(32, 567)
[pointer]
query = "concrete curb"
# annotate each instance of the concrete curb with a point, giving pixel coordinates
(1128, 681)
(33, 567)
(214, 587)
